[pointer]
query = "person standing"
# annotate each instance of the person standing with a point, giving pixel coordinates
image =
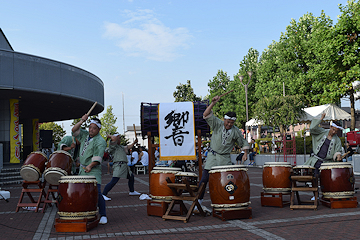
(120, 165)
(248, 136)
(223, 139)
(134, 158)
(92, 150)
(70, 145)
(254, 150)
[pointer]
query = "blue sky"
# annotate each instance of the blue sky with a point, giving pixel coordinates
(144, 49)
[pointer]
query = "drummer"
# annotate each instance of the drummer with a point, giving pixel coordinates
(70, 145)
(92, 150)
(223, 139)
(326, 144)
(120, 165)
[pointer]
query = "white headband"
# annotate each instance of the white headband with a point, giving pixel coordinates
(95, 122)
(334, 125)
(116, 134)
(231, 118)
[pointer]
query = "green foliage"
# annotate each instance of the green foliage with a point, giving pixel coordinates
(185, 93)
(108, 121)
(58, 131)
(86, 124)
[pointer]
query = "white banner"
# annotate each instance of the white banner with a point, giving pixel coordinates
(177, 131)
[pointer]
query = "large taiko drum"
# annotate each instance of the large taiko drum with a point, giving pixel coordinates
(229, 187)
(276, 177)
(192, 178)
(59, 165)
(78, 197)
(158, 185)
(33, 166)
(337, 180)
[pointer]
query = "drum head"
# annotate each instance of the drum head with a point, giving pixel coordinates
(78, 179)
(303, 167)
(29, 174)
(167, 168)
(186, 174)
(227, 167)
(332, 165)
(277, 164)
(53, 176)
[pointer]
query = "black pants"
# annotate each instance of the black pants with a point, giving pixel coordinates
(205, 180)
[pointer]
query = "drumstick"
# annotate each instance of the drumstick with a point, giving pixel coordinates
(345, 155)
(226, 93)
(92, 108)
(135, 131)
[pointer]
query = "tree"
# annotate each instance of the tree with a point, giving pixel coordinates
(86, 123)
(108, 121)
(280, 111)
(58, 131)
(185, 93)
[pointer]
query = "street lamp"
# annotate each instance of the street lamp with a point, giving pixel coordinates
(246, 88)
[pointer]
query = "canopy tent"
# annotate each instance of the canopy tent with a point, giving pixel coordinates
(332, 111)
(254, 122)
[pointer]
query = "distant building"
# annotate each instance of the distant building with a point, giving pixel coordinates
(130, 134)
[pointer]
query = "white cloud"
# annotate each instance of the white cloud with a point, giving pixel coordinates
(145, 36)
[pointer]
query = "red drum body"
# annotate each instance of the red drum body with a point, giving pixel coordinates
(78, 197)
(303, 170)
(59, 165)
(229, 187)
(158, 185)
(192, 178)
(337, 180)
(33, 166)
(276, 177)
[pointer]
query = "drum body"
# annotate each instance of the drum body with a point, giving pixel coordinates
(276, 177)
(192, 178)
(78, 197)
(33, 166)
(229, 187)
(59, 165)
(337, 180)
(303, 170)
(158, 185)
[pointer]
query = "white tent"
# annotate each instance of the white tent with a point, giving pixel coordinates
(254, 122)
(332, 111)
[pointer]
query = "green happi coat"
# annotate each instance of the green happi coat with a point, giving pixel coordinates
(319, 135)
(120, 170)
(222, 142)
(66, 142)
(91, 150)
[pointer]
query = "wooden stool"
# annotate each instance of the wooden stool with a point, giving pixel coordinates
(228, 214)
(51, 190)
(81, 225)
(178, 189)
(274, 199)
(339, 202)
(29, 191)
(156, 207)
(295, 189)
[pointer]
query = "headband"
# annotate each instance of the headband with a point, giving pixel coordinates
(95, 122)
(334, 125)
(231, 118)
(116, 134)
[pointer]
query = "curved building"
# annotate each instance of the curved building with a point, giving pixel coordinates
(45, 90)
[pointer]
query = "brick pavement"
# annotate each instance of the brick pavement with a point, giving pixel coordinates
(128, 219)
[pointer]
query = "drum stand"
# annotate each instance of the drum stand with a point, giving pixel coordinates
(274, 199)
(339, 202)
(29, 191)
(80, 225)
(295, 189)
(156, 207)
(228, 214)
(178, 189)
(51, 192)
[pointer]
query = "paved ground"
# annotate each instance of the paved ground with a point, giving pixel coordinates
(127, 216)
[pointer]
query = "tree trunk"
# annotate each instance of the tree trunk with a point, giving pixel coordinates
(352, 109)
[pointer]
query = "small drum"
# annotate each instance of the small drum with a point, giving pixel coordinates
(337, 180)
(192, 178)
(33, 166)
(229, 187)
(276, 177)
(78, 197)
(59, 165)
(303, 170)
(158, 185)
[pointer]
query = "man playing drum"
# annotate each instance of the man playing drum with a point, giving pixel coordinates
(326, 144)
(70, 145)
(223, 139)
(92, 150)
(120, 165)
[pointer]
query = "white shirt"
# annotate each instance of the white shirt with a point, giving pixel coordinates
(145, 158)
(135, 155)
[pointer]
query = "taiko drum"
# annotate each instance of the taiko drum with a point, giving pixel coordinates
(158, 184)
(78, 197)
(33, 166)
(276, 177)
(337, 180)
(59, 165)
(229, 187)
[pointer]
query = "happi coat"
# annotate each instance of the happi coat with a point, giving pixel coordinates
(319, 135)
(222, 142)
(120, 160)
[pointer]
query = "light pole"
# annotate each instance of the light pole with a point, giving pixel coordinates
(246, 88)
